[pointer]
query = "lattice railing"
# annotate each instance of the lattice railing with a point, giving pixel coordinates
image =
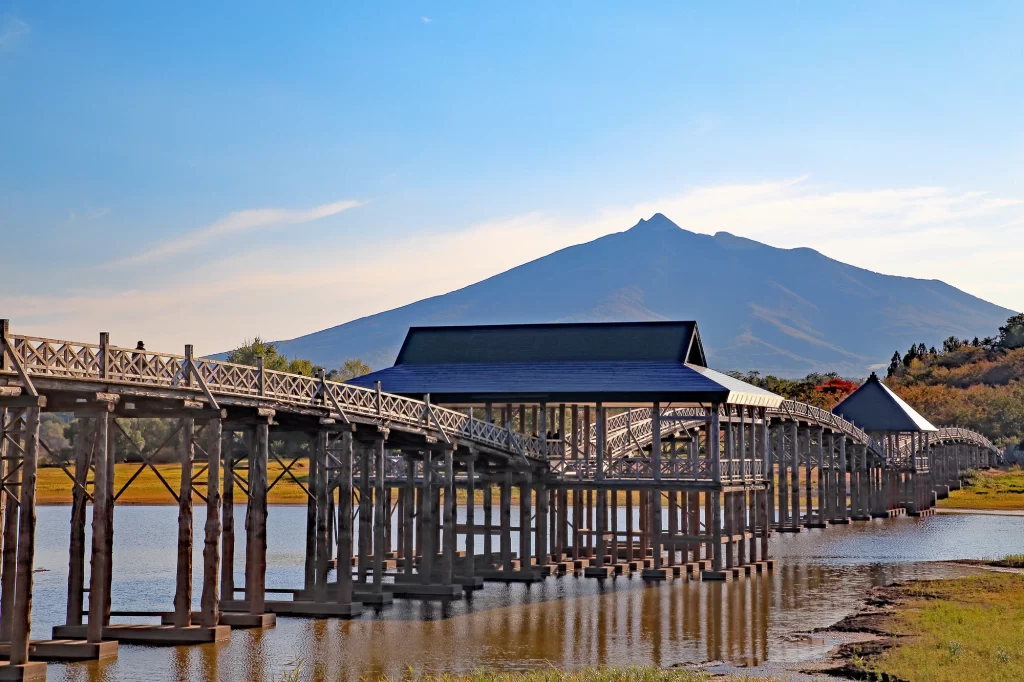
(52, 358)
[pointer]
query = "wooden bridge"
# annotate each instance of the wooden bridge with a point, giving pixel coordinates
(704, 478)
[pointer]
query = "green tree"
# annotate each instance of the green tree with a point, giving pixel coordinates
(349, 370)
(1012, 335)
(250, 352)
(894, 364)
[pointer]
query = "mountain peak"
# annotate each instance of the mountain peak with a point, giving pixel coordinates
(658, 222)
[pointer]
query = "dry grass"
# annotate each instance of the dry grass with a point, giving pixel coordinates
(958, 630)
(995, 490)
(634, 674)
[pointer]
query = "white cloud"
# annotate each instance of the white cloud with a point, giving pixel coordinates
(426, 20)
(12, 30)
(234, 223)
(965, 238)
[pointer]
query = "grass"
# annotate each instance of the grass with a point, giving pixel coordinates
(54, 487)
(993, 490)
(956, 630)
(633, 674)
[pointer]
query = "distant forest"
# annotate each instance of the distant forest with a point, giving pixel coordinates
(975, 383)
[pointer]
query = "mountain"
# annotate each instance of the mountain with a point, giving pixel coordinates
(780, 311)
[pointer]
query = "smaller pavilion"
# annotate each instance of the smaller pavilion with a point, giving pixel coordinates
(905, 435)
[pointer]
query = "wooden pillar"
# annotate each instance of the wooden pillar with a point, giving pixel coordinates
(9, 572)
(429, 533)
(714, 453)
(656, 522)
(183, 574)
(100, 559)
(365, 515)
(210, 598)
(84, 444)
(525, 503)
(256, 542)
(601, 498)
(227, 566)
(409, 546)
(505, 510)
(22, 622)
(381, 513)
(310, 563)
(470, 564)
(450, 547)
(488, 503)
(321, 519)
(344, 557)
(541, 526)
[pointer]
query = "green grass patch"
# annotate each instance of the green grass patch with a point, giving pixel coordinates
(994, 490)
(957, 630)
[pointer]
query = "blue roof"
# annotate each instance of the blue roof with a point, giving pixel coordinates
(873, 407)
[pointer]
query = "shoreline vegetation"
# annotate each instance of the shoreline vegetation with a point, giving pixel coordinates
(631, 674)
(946, 630)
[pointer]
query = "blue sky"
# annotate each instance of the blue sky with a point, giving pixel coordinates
(204, 174)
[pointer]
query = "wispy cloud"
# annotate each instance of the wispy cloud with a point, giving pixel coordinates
(87, 214)
(12, 30)
(965, 238)
(234, 223)
(426, 20)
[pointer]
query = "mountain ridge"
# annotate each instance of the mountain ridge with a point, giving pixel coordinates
(783, 311)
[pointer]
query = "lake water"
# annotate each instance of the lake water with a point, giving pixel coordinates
(821, 576)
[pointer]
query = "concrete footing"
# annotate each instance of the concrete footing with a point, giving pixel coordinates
(421, 591)
(313, 609)
(65, 650)
(153, 635)
(33, 670)
(654, 574)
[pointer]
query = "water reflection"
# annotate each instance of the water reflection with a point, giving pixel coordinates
(567, 621)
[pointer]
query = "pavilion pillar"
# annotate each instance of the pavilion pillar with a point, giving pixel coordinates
(310, 564)
(715, 457)
(796, 448)
(656, 572)
(409, 534)
(428, 532)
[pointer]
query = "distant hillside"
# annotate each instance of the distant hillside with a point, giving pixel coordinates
(781, 311)
(975, 383)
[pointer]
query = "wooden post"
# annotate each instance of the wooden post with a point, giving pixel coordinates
(26, 540)
(183, 582)
(429, 520)
(101, 499)
(449, 547)
(601, 514)
(379, 513)
(488, 503)
(210, 600)
(469, 567)
(505, 504)
(656, 525)
(309, 572)
(256, 543)
(344, 593)
(541, 525)
(9, 573)
(227, 566)
(409, 550)
(714, 448)
(84, 442)
(318, 462)
(525, 507)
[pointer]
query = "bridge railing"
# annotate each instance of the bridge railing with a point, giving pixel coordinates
(59, 359)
